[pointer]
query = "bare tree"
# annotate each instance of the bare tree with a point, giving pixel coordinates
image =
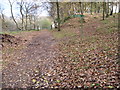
(107, 8)
(111, 12)
(81, 9)
(91, 7)
(103, 10)
(11, 9)
(2, 15)
(30, 9)
(21, 12)
(119, 6)
(58, 15)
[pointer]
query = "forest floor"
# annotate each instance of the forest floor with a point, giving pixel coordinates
(35, 58)
(79, 56)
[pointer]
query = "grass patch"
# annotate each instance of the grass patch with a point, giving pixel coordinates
(16, 32)
(62, 34)
(1, 32)
(109, 25)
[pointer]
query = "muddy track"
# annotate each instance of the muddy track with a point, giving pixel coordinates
(38, 56)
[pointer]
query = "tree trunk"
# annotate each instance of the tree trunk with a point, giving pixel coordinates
(85, 8)
(116, 8)
(26, 17)
(95, 7)
(55, 23)
(119, 6)
(91, 8)
(103, 10)
(13, 15)
(58, 15)
(3, 18)
(81, 9)
(98, 7)
(22, 16)
(34, 23)
(30, 21)
(107, 9)
(111, 13)
(37, 27)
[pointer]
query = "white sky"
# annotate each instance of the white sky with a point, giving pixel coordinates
(5, 4)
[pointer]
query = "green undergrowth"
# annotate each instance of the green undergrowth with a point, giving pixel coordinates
(62, 34)
(16, 32)
(110, 25)
(77, 45)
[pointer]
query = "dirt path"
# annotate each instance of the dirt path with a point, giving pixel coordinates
(84, 62)
(36, 59)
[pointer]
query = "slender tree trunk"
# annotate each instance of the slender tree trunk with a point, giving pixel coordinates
(111, 12)
(91, 8)
(13, 15)
(55, 23)
(58, 15)
(3, 18)
(95, 7)
(119, 6)
(107, 9)
(22, 17)
(26, 16)
(98, 7)
(103, 10)
(37, 27)
(85, 8)
(81, 9)
(30, 21)
(116, 8)
(34, 23)
(26, 22)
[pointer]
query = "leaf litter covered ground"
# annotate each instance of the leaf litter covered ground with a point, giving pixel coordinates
(37, 57)
(78, 56)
